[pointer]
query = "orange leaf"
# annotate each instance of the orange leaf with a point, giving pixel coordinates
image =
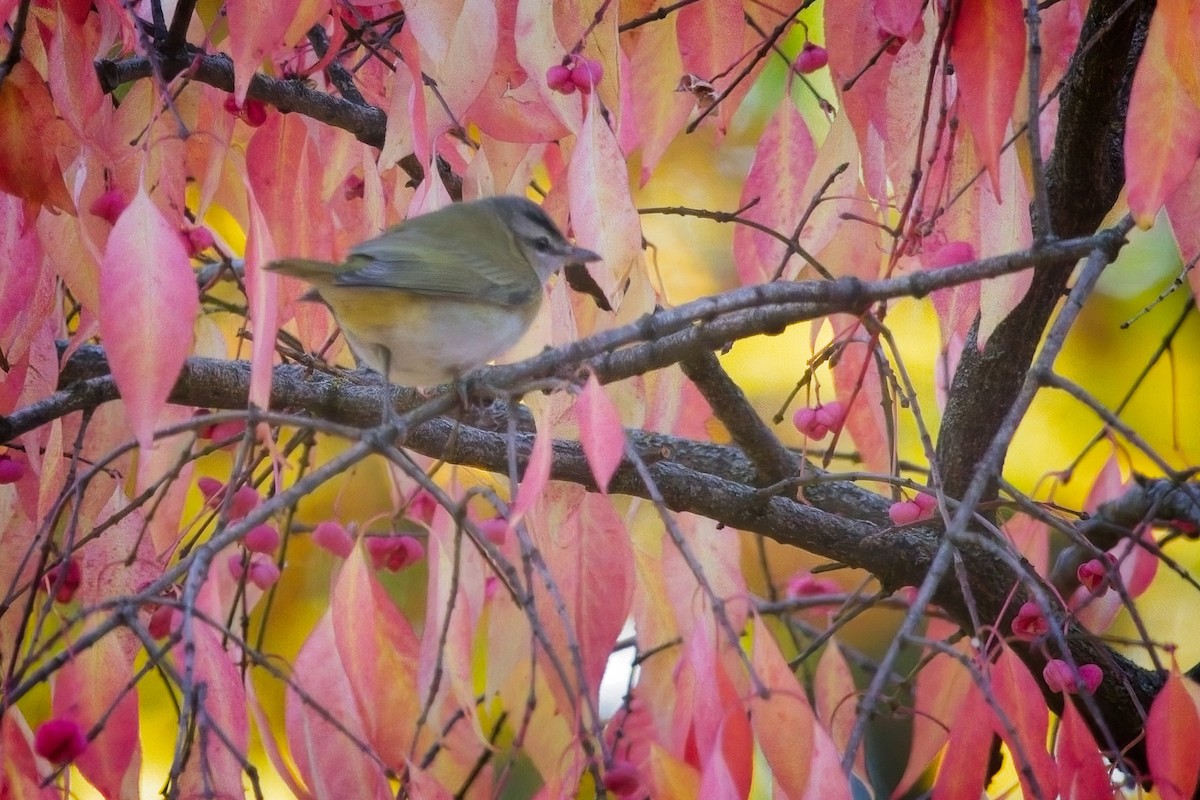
(1160, 149)
(942, 687)
(217, 771)
(1171, 740)
(148, 304)
(988, 51)
(30, 131)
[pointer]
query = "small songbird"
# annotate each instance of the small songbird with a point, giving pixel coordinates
(445, 292)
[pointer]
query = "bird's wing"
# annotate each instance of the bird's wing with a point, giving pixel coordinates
(432, 260)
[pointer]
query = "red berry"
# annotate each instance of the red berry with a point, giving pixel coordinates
(60, 740)
(64, 582)
(394, 553)
(11, 470)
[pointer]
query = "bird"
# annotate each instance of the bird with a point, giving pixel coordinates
(441, 293)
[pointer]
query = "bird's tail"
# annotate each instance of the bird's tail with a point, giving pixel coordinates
(309, 269)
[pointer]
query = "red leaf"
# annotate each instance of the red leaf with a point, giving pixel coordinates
(148, 304)
(1160, 149)
(1081, 769)
(963, 770)
(1017, 694)
(537, 470)
(600, 431)
(1171, 740)
(988, 51)
(898, 17)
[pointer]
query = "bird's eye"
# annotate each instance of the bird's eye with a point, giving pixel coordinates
(542, 244)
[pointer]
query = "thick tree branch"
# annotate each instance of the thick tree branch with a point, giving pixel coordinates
(1084, 176)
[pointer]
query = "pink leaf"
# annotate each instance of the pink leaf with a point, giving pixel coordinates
(942, 686)
(256, 29)
(217, 771)
(1171, 740)
(378, 649)
(1160, 149)
(836, 699)
(988, 50)
(331, 763)
(600, 431)
(777, 179)
(537, 470)
(91, 687)
(148, 304)
(786, 709)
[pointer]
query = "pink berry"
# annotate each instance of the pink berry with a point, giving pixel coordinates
(423, 507)
(812, 58)
(926, 502)
(1093, 574)
(1030, 623)
(254, 113)
(394, 553)
(211, 488)
(262, 572)
(60, 740)
(558, 78)
(11, 470)
(198, 239)
(905, 512)
(262, 539)
(585, 73)
(805, 584)
(1092, 676)
(245, 500)
(332, 537)
(1059, 676)
(164, 621)
(109, 205)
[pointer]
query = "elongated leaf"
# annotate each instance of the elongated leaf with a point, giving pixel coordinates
(988, 50)
(1171, 740)
(600, 431)
(1160, 149)
(1082, 773)
(148, 303)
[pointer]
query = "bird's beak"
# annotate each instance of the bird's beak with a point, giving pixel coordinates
(579, 255)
